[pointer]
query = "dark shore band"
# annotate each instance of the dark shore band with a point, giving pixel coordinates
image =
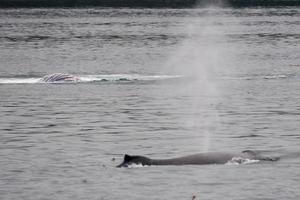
(145, 3)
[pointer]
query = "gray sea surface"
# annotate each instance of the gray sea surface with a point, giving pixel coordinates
(157, 82)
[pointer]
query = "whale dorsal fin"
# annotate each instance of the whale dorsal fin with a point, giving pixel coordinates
(127, 157)
(250, 152)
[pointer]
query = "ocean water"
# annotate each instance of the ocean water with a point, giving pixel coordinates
(155, 82)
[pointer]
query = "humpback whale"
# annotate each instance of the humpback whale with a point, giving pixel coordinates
(59, 77)
(196, 159)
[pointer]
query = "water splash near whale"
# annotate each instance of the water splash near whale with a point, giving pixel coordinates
(241, 161)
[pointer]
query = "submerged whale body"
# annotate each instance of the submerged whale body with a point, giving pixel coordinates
(59, 77)
(196, 159)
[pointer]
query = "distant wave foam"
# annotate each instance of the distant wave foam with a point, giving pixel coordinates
(257, 77)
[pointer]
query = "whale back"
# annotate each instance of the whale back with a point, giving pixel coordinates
(59, 77)
(257, 156)
(196, 159)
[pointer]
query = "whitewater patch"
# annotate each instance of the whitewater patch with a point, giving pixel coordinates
(19, 80)
(240, 161)
(133, 165)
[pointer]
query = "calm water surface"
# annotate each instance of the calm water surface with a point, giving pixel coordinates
(160, 83)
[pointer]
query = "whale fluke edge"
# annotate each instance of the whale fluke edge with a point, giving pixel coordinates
(195, 159)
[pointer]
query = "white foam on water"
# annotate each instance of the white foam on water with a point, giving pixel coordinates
(19, 80)
(278, 76)
(241, 161)
(125, 77)
(133, 165)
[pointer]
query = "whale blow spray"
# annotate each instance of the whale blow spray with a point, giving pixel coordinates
(201, 58)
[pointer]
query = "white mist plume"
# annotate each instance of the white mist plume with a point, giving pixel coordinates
(201, 57)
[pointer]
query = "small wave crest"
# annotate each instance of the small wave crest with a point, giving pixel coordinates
(241, 161)
(113, 78)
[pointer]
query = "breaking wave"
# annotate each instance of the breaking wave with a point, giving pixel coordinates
(110, 78)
